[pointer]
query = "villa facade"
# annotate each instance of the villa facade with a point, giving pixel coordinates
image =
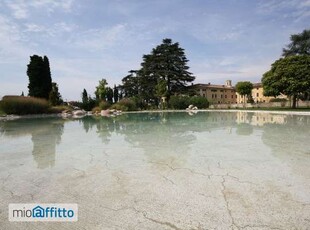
(217, 94)
(226, 94)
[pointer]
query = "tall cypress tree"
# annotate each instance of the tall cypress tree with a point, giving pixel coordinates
(115, 94)
(39, 74)
(47, 83)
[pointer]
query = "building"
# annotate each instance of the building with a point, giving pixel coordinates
(217, 94)
(226, 94)
(258, 95)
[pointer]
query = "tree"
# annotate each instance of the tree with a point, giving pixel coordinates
(131, 84)
(22, 95)
(101, 91)
(54, 95)
(84, 97)
(115, 94)
(40, 81)
(300, 44)
(244, 88)
(289, 76)
(109, 95)
(88, 103)
(166, 63)
(48, 85)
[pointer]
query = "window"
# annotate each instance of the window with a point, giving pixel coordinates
(215, 95)
(257, 95)
(225, 96)
(222, 90)
(204, 95)
(213, 90)
(221, 95)
(232, 96)
(236, 96)
(212, 95)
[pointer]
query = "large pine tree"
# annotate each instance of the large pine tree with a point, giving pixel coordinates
(40, 81)
(167, 64)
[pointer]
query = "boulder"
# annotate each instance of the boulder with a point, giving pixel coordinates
(78, 112)
(105, 113)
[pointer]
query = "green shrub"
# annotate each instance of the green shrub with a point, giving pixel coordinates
(96, 109)
(125, 104)
(179, 102)
(24, 105)
(278, 100)
(89, 104)
(59, 108)
(119, 107)
(182, 102)
(200, 102)
(103, 105)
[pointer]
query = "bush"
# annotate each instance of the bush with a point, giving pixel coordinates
(179, 102)
(200, 102)
(59, 108)
(278, 100)
(182, 102)
(125, 104)
(96, 109)
(89, 104)
(23, 105)
(103, 105)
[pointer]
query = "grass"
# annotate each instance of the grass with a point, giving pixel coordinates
(23, 105)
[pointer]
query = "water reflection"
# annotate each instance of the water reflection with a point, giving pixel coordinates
(45, 135)
(172, 133)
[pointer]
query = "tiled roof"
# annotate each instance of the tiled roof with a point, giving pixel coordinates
(256, 85)
(205, 86)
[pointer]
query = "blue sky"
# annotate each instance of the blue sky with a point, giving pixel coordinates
(86, 41)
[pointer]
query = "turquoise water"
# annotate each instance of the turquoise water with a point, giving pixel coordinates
(155, 170)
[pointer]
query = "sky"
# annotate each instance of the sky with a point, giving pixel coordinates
(86, 41)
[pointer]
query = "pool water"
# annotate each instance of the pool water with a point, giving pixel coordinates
(210, 170)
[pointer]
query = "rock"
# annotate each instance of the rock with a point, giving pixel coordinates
(105, 113)
(79, 113)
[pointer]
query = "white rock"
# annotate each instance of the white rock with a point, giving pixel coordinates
(105, 113)
(79, 112)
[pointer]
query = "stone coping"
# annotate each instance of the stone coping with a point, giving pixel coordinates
(305, 113)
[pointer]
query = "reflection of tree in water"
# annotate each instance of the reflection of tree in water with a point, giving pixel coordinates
(104, 126)
(244, 129)
(291, 138)
(163, 136)
(45, 132)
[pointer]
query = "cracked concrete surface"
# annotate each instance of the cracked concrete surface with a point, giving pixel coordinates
(159, 180)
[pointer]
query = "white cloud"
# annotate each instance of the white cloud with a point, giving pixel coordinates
(298, 9)
(56, 29)
(65, 5)
(11, 45)
(98, 39)
(21, 9)
(18, 8)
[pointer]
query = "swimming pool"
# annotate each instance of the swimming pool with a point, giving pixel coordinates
(209, 170)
